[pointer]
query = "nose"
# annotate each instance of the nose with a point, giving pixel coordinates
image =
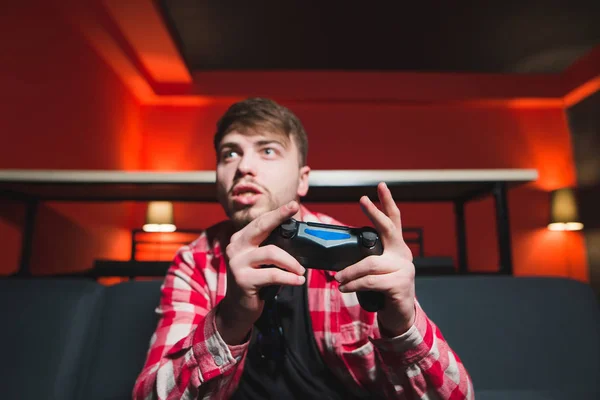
(246, 166)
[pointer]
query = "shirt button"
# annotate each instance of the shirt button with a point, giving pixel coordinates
(218, 361)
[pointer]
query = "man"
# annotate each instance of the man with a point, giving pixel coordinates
(216, 338)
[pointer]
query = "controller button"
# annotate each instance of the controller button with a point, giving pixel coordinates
(288, 229)
(302, 260)
(369, 239)
(327, 235)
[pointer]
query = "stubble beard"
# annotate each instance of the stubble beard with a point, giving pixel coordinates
(242, 216)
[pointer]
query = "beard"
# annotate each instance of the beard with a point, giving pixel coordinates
(242, 215)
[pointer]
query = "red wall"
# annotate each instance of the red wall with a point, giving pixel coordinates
(62, 109)
(65, 108)
(373, 136)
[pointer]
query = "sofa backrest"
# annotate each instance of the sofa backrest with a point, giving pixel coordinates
(46, 336)
(74, 339)
(125, 328)
(519, 334)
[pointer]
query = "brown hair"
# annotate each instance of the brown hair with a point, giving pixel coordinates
(260, 112)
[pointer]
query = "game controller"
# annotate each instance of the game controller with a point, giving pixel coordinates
(327, 247)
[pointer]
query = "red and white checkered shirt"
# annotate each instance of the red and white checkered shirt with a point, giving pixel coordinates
(188, 359)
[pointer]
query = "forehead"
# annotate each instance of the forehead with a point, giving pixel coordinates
(253, 135)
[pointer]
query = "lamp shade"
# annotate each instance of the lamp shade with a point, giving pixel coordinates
(159, 217)
(563, 211)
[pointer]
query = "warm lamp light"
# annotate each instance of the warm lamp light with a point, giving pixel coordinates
(563, 211)
(159, 217)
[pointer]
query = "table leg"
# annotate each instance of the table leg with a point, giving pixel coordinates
(27, 238)
(503, 229)
(461, 236)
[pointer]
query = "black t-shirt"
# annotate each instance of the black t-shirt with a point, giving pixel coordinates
(292, 367)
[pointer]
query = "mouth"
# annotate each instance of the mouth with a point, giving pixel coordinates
(245, 194)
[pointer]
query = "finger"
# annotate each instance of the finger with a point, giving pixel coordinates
(389, 205)
(260, 228)
(235, 236)
(268, 276)
(376, 283)
(384, 226)
(232, 248)
(273, 255)
(366, 266)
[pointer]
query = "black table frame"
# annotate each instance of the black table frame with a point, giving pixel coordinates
(497, 189)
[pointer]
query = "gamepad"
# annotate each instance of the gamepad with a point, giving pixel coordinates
(327, 247)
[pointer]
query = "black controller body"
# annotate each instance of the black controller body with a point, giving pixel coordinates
(327, 247)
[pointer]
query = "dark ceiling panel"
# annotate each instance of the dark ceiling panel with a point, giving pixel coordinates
(505, 37)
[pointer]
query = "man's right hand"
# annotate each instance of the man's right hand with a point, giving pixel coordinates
(242, 306)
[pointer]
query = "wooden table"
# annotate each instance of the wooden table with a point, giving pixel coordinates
(456, 186)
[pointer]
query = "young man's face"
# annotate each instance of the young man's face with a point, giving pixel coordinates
(258, 170)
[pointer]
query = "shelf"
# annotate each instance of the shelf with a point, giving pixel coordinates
(325, 185)
(458, 186)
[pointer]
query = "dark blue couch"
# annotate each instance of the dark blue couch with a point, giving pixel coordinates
(520, 338)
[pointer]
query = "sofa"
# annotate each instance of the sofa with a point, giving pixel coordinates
(520, 338)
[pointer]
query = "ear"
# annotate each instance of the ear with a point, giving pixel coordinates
(303, 181)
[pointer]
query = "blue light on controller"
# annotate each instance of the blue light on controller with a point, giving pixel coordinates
(327, 235)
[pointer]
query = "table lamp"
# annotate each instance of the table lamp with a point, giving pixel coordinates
(563, 211)
(159, 217)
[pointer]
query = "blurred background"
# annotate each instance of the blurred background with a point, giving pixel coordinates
(138, 85)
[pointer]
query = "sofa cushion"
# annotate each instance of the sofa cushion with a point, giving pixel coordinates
(521, 334)
(126, 325)
(48, 326)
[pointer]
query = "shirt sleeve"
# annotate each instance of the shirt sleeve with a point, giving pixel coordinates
(187, 358)
(422, 360)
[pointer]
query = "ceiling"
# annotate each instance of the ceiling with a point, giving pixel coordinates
(506, 37)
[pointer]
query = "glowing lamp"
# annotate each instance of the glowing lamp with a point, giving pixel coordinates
(563, 211)
(159, 217)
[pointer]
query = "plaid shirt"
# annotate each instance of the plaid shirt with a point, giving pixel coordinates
(188, 359)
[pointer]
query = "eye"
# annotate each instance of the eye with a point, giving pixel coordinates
(269, 151)
(227, 154)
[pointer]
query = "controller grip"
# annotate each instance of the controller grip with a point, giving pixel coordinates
(268, 292)
(371, 301)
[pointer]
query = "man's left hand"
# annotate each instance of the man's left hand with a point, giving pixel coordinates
(391, 273)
